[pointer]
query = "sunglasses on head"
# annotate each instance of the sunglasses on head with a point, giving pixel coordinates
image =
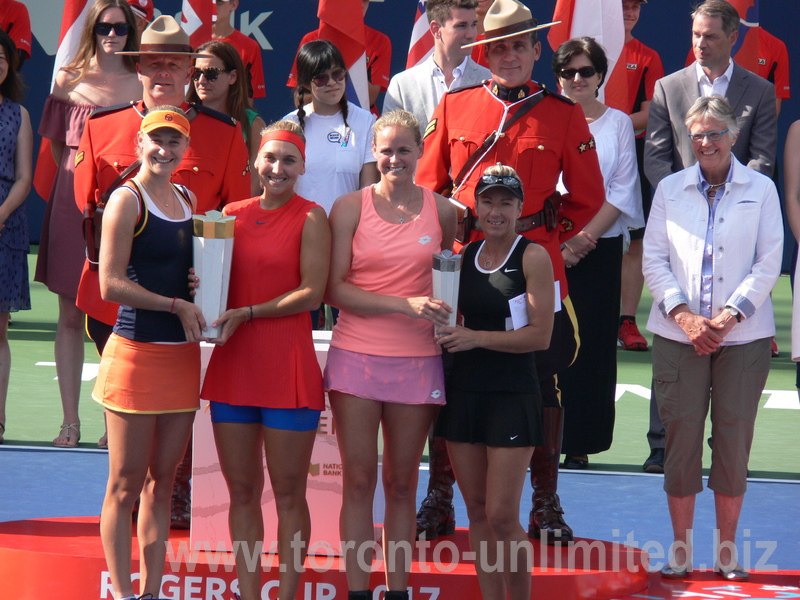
(511, 182)
(211, 73)
(105, 28)
(584, 72)
(714, 136)
(337, 75)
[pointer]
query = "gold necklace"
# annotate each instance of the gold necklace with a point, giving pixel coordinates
(401, 216)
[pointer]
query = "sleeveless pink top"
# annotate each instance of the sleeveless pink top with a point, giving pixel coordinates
(395, 260)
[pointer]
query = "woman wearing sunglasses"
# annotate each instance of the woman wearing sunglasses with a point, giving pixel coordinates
(493, 416)
(95, 78)
(594, 257)
(338, 133)
(219, 84)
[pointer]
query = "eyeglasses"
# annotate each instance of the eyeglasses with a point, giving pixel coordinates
(104, 29)
(507, 181)
(713, 136)
(584, 72)
(211, 73)
(337, 75)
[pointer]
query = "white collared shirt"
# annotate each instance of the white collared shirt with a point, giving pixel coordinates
(439, 84)
(719, 86)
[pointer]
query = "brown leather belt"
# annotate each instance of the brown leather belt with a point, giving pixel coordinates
(531, 221)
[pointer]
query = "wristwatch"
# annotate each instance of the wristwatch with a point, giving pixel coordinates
(735, 313)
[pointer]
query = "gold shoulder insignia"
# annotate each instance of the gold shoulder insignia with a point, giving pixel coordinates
(567, 224)
(582, 147)
(592, 145)
(430, 128)
(79, 158)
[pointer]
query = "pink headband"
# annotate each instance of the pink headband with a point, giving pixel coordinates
(284, 136)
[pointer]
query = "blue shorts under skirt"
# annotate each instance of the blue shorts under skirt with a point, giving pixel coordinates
(291, 419)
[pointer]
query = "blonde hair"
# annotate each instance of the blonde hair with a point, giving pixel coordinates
(284, 125)
(399, 118)
(501, 170)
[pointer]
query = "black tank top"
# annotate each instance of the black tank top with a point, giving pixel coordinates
(161, 256)
(483, 301)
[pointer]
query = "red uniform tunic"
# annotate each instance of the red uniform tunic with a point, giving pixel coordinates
(267, 362)
(16, 22)
(552, 137)
(250, 52)
(215, 168)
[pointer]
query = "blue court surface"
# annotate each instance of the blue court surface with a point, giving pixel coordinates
(622, 507)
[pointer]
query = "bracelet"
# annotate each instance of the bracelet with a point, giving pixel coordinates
(172, 306)
(250, 306)
(568, 248)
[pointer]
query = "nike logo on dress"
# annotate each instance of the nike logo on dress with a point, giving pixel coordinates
(261, 222)
(513, 437)
(509, 270)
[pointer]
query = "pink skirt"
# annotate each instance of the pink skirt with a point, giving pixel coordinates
(404, 380)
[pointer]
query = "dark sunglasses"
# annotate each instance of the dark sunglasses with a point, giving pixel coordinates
(105, 28)
(211, 73)
(337, 75)
(584, 72)
(511, 182)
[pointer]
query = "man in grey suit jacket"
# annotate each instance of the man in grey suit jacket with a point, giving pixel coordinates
(418, 90)
(715, 29)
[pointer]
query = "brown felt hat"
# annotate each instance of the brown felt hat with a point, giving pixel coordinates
(505, 19)
(164, 36)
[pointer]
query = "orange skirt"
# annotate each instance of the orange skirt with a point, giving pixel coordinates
(148, 378)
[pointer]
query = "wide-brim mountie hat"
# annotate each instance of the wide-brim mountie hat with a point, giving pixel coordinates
(165, 36)
(505, 19)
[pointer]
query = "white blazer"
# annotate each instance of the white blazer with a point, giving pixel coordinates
(748, 248)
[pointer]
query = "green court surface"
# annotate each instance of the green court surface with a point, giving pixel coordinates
(34, 408)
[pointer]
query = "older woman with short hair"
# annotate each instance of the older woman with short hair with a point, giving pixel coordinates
(712, 254)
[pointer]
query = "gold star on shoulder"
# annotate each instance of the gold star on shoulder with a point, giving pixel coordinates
(592, 145)
(582, 147)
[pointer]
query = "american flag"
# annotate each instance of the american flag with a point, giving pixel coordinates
(602, 20)
(342, 23)
(421, 45)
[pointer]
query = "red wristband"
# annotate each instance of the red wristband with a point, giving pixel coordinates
(172, 307)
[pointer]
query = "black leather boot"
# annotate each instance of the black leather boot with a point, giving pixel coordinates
(181, 515)
(547, 516)
(436, 514)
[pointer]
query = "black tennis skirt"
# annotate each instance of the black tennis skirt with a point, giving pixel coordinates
(499, 419)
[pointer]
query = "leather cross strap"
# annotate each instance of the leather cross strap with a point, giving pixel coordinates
(117, 182)
(492, 138)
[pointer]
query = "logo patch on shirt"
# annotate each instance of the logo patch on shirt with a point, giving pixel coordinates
(79, 158)
(334, 137)
(425, 239)
(762, 61)
(632, 66)
(436, 394)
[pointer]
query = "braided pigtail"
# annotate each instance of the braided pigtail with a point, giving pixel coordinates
(301, 112)
(343, 108)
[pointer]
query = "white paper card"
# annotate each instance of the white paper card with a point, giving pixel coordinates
(558, 297)
(519, 312)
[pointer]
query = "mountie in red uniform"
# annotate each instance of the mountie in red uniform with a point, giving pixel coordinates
(553, 137)
(215, 167)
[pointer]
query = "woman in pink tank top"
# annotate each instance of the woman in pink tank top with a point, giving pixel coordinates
(384, 367)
